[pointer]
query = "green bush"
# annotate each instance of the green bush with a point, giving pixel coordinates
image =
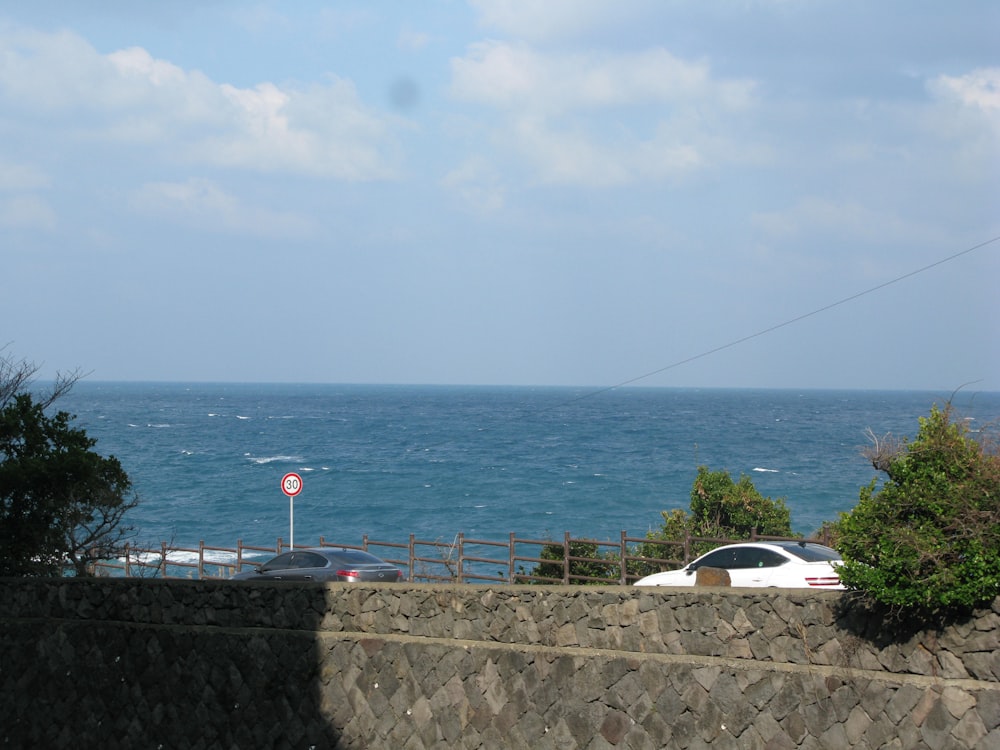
(929, 537)
(720, 509)
(596, 565)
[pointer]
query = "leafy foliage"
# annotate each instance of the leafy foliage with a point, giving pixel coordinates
(592, 563)
(61, 503)
(929, 538)
(720, 509)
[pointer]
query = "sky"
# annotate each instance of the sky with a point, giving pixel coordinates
(764, 193)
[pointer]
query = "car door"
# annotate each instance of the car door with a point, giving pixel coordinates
(756, 566)
(278, 568)
(724, 558)
(310, 566)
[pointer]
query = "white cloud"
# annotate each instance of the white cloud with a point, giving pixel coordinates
(602, 119)
(412, 41)
(204, 205)
(20, 207)
(509, 76)
(963, 117)
(477, 185)
(21, 177)
(323, 131)
(979, 89)
(26, 211)
(551, 19)
(822, 217)
(128, 96)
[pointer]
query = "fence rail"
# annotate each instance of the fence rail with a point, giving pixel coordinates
(463, 560)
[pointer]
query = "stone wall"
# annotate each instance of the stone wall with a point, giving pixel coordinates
(172, 664)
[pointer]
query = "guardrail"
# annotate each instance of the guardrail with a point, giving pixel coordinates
(570, 560)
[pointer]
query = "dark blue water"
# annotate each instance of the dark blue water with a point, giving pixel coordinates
(388, 461)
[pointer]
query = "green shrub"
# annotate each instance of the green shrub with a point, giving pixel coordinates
(929, 537)
(596, 565)
(720, 509)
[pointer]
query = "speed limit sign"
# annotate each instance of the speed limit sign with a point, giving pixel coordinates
(291, 484)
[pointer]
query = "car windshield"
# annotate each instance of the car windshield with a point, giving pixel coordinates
(810, 552)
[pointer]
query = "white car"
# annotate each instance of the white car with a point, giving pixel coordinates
(787, 565)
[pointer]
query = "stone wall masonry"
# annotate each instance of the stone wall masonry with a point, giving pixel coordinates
(151, 663)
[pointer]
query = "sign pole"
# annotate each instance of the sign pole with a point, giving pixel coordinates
(291, 485)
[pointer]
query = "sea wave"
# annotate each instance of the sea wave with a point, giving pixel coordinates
(273, 459)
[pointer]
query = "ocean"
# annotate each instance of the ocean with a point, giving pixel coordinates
(388, 461)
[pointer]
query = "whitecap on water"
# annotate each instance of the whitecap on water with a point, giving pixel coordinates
(272, 459)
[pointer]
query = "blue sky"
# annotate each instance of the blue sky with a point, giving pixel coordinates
(572, 192)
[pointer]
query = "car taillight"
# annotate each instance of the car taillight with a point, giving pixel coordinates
(348, 573)
(823, 581)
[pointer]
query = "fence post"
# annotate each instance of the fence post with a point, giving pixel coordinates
(364, 542)
(460, 539)
(510, 559)
(566, 558)
(687, 547)
(201, 559)
(623, 579)
(412, 554)
(163, 559)
(128, 569)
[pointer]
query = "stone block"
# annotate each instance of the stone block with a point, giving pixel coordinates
(936, 728)
(957, 701)
(988, 708)
(969, 730)
(712, 577)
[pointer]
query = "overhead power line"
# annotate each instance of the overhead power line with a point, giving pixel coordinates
(796, 319)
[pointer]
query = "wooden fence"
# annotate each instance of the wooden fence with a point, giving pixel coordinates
(463, 560)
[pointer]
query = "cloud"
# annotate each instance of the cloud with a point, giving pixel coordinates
(848, 221)
(20, 206)
(979, 89)
(412, 41)
(600, 118)
(204, 205)
(22, 177)
(477, 185)
(963, 118)
(26, 211)
(552, 19)
(510, 76)
(128, 96)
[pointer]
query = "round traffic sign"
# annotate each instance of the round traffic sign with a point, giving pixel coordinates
(291, 484)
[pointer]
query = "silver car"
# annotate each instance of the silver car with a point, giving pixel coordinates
(324, 564)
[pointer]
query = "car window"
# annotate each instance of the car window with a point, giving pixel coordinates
(747, 557)
(810, 552)
(356, 557)
(720, 558)
(310, 560)
(772, 559)
(757, 557)
(281, 562)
